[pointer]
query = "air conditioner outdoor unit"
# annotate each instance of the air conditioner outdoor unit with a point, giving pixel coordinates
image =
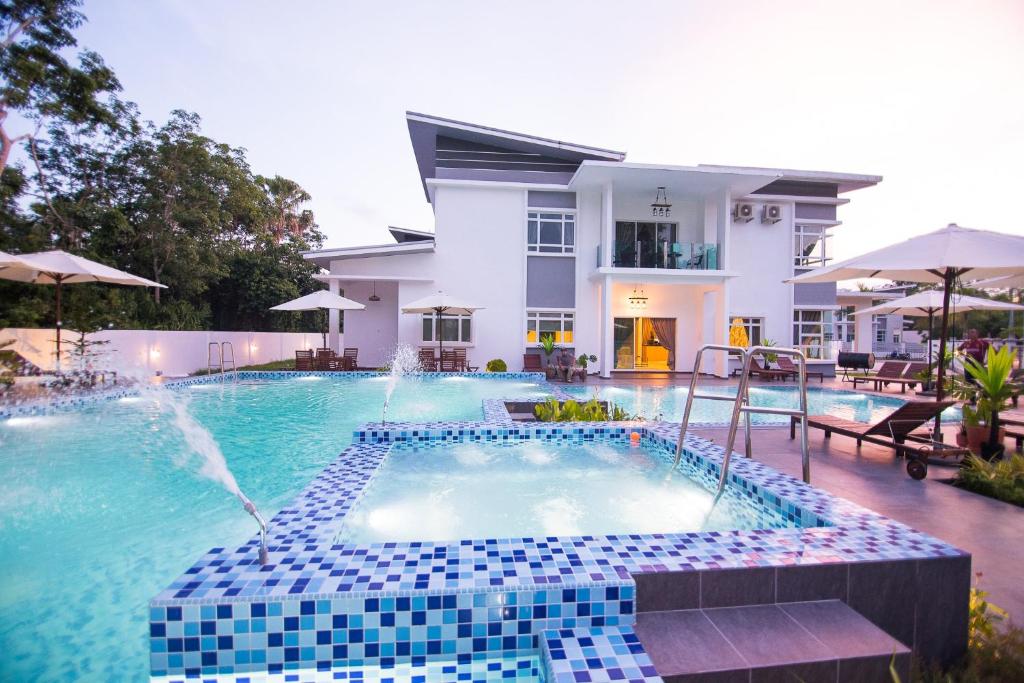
(772, 213)
(743, 213)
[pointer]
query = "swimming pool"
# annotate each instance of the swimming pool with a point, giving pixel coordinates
(668, 403)
(101, 507)
(473, 490)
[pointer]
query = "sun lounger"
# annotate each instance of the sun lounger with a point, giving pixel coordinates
(892, 431)
(787, 365)
(758, 370)
(909, 378)
(889, 371)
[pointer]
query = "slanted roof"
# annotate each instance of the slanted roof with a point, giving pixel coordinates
(403, 235)
(323, 257)
(445, 148)
(843, 182)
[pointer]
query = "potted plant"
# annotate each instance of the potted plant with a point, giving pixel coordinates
(547, 343)
(582, 362)
(991, 392)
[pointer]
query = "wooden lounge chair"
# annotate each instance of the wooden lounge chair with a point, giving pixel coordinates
(531, 363)
(758, 370)
(1013, 422)
(889, 370)
(351, 361)
(427, 360)
(304, 360)
(907, 379)
(462, 362)
(448, 361)
(787, 365)
(893, 431)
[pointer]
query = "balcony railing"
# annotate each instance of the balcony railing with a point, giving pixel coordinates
(667, 255)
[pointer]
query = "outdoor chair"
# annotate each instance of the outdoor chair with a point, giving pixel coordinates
(304, 360)
(889, 371)
(351, 359)
(462, 362)
(427, 360)
(531, 363)
(448, 361)
(786, 364)
(763, 372)
(892, 431)
(326, 359)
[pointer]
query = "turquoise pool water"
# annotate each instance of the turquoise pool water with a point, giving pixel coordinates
(447, 492)
(668, 403)
(101, 508)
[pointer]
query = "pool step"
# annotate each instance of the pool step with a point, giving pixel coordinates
(807, 641)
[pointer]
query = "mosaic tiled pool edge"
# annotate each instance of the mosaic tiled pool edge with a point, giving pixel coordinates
(57, 404)
(422, 601)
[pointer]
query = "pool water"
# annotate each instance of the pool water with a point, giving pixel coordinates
(101, 508)
(668, 403)
(448, 492)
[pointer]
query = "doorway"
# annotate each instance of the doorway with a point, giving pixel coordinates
(645, 344)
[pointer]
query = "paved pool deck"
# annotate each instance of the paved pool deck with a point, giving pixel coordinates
(870, 476)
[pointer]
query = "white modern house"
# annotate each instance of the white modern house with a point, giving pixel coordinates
(638, 264)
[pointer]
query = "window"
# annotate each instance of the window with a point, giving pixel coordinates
(550, 233)
(541, 323)
(454, 328)
(812, 332)
(754, 328)
(810, 243)
(846, 325)
(640, 244)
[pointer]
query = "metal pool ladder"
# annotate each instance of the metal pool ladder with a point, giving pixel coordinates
(223, 358)
(741, 404)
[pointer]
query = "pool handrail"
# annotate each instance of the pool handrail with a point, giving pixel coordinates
(692, 394)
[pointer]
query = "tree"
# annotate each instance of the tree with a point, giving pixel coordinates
(287, 218)
(37, 80)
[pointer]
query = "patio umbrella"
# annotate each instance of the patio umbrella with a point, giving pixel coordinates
(317, 300)
(439, 304)
(929, 302)
(943, 256)
(59, 268)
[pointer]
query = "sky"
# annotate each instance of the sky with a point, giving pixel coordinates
(929, 95)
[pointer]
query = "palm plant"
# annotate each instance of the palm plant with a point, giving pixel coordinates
(994, 392)
(547, 342)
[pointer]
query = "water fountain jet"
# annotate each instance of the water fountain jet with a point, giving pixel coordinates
(404, 362)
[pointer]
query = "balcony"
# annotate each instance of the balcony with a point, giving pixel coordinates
(665, 254)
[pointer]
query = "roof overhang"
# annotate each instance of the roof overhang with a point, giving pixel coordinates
(681, 182)
(405, 235)
(341, 277)
(846, 182)
(871, 296)
(324, 257)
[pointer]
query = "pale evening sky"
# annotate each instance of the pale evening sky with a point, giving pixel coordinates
(928, 94)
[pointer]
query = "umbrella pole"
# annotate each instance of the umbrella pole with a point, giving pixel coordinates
(440, 340)
(948, 278)
(931, 335)
(58, 323)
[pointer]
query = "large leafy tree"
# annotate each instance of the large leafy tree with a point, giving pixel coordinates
(38, 81)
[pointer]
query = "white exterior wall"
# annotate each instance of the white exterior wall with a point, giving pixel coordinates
(762, 255)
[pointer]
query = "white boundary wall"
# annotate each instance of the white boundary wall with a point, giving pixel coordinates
(171, 353)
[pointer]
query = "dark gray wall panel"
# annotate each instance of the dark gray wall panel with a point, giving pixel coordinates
(815, 294)
(552, 200)
(550, 282)
(800, 188)
(821, 211)
(539, 177)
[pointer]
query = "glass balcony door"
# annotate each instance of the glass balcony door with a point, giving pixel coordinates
(641, 244)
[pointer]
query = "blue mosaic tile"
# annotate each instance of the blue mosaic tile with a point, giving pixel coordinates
(608, 654)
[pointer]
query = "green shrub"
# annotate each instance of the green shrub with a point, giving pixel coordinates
(497, 365)
(571, 411)
(1000, 479)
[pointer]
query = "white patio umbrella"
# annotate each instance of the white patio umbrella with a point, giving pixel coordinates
(317, 300)
(59, 268)
(1007, 282)
(439, 304)
(943, 256)
(10, 260)
(929, 302)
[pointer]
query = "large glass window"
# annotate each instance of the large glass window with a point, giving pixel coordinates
(812, 332)
(754, 328)
(846, 324)
(558, 324)
(550, 233)
(639, 244)
(454, 328)
(811, 246)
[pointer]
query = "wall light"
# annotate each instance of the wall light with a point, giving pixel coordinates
(638, 300)
(154, 352)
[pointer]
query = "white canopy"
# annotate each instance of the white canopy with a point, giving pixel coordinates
(971, 254)
(929, 302)
(60, 267)
(319, 299)
(1007, 282)
(11, 261)
(440, 303)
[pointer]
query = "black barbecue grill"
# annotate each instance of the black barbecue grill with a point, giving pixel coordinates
(848, 360)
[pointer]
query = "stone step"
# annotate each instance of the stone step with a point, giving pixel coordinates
(807, 641)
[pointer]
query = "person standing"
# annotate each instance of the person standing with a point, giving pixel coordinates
(974, 346)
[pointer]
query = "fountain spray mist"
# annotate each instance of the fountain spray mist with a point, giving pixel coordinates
(404, 362)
